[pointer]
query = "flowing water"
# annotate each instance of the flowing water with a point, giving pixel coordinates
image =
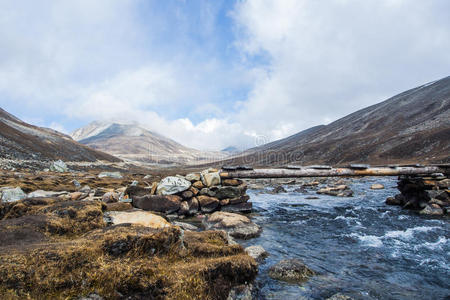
(359, 246)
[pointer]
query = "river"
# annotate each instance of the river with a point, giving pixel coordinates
(359, 246)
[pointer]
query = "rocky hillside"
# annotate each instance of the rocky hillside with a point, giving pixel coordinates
(413, 126)
(133, 142)
(19, 140)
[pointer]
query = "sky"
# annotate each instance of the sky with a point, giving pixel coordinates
(213, 74)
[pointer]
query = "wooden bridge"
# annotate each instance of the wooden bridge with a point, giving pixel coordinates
(327, 171)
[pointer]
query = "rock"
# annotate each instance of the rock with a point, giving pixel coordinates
(194, 190)
(377, 186)
(291, 270)
(225, 192)
(240, 199)
(77, 196)
(243, 292)
(192, 177)
(58, 166)
(115, 175)
(154, 188)
(165, 204)
(12, 194)
(244, 208)
(257, 252)
(133, 191)
(279, 189)
(207, 192)
(439, 195)
(198, 185)
(118, 206)
(185, 226)
(91, 297)
(231, 182)
(438, 202)
(193, 206)
(208, 204)
(187, 194)
(110, 197)
(444, 184)
(339, 297)
(236, 225)
(184, 208)
(134, 183)
(393, 201)
(311, 198)
(339, 191)
(76, 184)
(147, 177)
(41, 193)
(172, 185)
(224, 202)
(210, 179)
(144, 218)
(431, 211)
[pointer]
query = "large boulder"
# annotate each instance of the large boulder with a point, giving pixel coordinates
(210, 178)
(291, 270)
(226, 192)
(144, 218)
(58, 166)
(236, 225)
(208, 204)
(172, 185)
(12, 194)
(165, 204)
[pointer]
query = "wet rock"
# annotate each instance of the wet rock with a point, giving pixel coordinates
(58, 166)
(185, 226)
(192, 177)
(172, 185)
(312, 198)
(115, 175)
(243, 292)
(257, 252)
(110, 197)
(291, 270)
(165, 204)
(12, 194)
(193, 206)
(225, 192)
(338, 191)
(339, 297)
(238, 226)
(377, 186)
(243, 208)
(208, 204)
(210, 178)
(279, 189)
(393, 201)
(432, 211)
(143, 218)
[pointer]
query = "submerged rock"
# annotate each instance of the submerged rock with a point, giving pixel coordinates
(377, 186)
(291, 270)
(172, 185)
(430, 210)
(238, 226)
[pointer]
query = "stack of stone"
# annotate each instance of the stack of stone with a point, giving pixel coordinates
(194, 193)
(430, 194)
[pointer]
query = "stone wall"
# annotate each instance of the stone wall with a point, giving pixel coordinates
(428, 194)
(203, 192)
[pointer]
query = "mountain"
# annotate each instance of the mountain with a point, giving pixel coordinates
(19, 140)
(134, 142)
(231, 150)
(411, 127)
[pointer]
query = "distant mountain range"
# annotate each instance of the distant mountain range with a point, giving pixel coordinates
(19, 141)
(413, 126)
(134, 142)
